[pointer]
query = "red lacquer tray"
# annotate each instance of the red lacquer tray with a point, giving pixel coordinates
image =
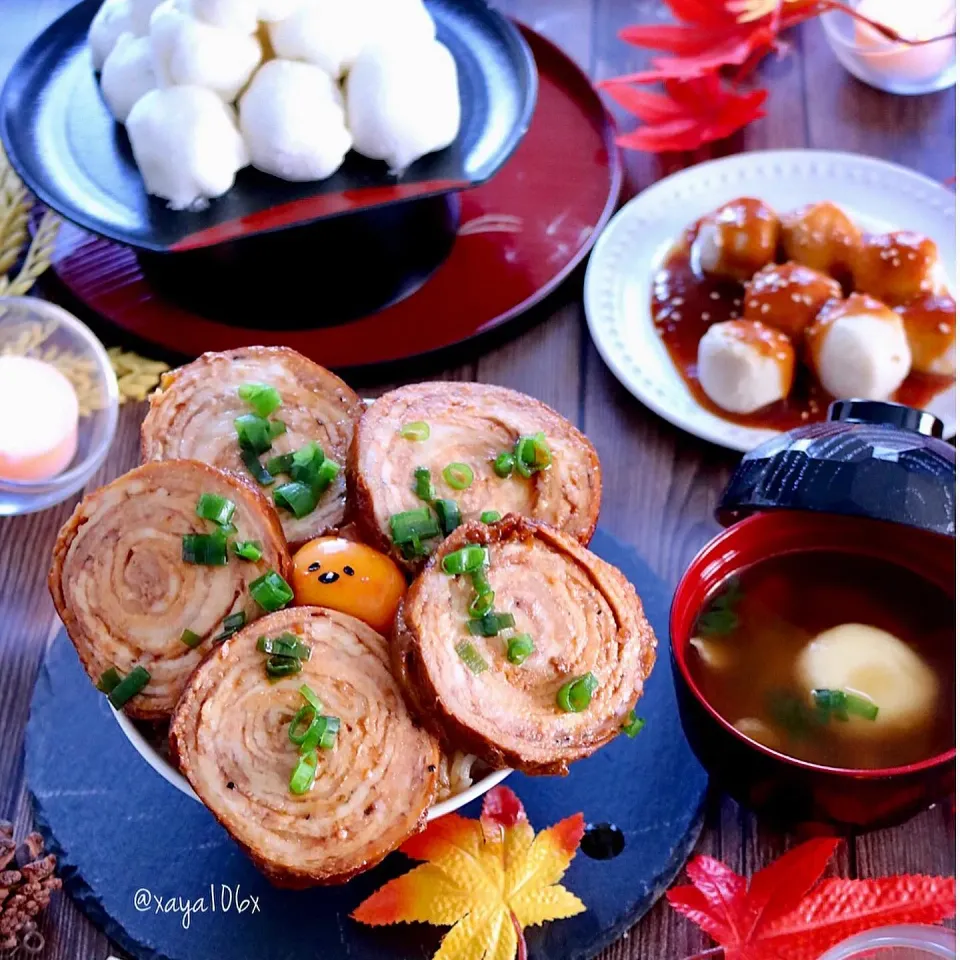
(520, 235)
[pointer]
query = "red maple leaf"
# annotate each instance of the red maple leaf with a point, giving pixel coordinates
(784, 914)
(688, 113)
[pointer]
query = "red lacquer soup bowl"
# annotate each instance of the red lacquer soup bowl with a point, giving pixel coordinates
(779, 786)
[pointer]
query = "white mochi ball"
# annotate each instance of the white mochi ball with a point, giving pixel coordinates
(403, 102)
(127, 75)
(189, 52)
(293, 121)
(326, 33)
(271, 11)
(187, 145)
(140, 13)
(396, 22)
(112, 19)
(239, 15)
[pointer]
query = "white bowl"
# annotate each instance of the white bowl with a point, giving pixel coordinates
(906, 942)
(173, 776)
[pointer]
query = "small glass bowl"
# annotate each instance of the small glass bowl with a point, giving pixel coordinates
(893, 68)
(907, 942)
(34, 328)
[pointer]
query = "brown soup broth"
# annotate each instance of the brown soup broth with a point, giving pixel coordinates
(782, 603)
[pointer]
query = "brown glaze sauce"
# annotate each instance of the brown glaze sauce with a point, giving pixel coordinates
(684, 305)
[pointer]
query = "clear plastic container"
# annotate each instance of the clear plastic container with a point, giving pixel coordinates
(907, 942)
(35, 328)
(894, 68)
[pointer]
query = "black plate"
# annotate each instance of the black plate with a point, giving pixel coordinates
(66, 147)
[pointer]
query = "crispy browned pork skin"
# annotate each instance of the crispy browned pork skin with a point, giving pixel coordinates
(372, 790)
(469, 423)
(125, 594)
(582, 615)
(193, 412)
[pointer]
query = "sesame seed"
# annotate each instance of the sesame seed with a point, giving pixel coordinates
(751, 304)
(733, 314)
(795, 297)
(714, 295)
(677, 301)
(896, 261)
(943, 327)
(675, 315)
(765, 308)
(704, 316)
(737, 302)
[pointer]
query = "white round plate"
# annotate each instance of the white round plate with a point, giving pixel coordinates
(879, 196)
(173, 776)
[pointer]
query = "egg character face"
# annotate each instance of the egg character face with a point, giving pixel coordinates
(858, 348)
(822, 237)
(931, 326)
(350, 577)
(736, 240)
(744, 366)
(898, 267)
(788, 297)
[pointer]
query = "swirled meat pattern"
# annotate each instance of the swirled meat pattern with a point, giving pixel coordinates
(469, 423)
(126, 596)
(230, 737)
(583, 617)
(192, 415)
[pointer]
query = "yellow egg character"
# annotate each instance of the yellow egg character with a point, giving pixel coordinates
(876, 666)
(350, 577)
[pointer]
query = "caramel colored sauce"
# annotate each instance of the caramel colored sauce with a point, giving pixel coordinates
(684, 304)
(931, 325)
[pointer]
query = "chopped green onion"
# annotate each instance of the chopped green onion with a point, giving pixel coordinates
(465, 560)
(720, 618)
(480, 582)
(532, 454)
(792, 714)
(503, 465)
(228, 528)
(278, 667)
(327, 473)
(467, 652)
(206, 549)
(328, 738)
(315, 733)
(109, 680)
(519, 648)
(296, 497)
(481, 604)
(231, 625)
(633, 724)
(575, 695)
(448, 514)
(128, 687)
(255, 468)
(862, 707)
(304, 774)
(261, 398)
(301, 724)
(280, 464)
(490, 624)
(489, 516)
(413, 549)
(219, 509)
(418, 430)
(423, 485)
(837, 704)
(271, 591)
(251, 550)
(253, 433)
(277, 429)
(412, 526)
(190, 639)
(286, 645)
(458, 475)
(307, 693)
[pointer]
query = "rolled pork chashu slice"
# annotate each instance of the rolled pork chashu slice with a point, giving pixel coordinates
(372, 791)
(193, 412)
(469, 423)
(583, 616)
(126, 596)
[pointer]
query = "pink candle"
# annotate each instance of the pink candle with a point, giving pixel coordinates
(38, 429)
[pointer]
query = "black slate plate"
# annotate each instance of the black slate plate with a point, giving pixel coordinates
(66, 147)
(120, 829)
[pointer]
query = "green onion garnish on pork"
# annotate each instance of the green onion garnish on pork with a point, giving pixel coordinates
(519, 648)
(459, 476)
(205, 549)
(190, 639)
(218, 509)
(128, 687)
(575, 695)
(423, 485)
(468, 653)
(418, 431)
(271, 591)
(260, 398)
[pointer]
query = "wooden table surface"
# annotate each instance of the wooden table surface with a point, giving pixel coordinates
(660, 486)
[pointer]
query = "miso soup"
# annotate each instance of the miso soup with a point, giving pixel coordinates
(838, 659)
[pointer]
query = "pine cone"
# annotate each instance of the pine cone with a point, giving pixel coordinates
(26, 890)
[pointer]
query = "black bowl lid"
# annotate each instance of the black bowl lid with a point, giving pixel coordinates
(883, 461)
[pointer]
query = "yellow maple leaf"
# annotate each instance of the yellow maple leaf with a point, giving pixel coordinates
(487, 878)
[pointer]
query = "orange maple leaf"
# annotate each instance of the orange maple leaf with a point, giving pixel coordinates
(486, 878)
